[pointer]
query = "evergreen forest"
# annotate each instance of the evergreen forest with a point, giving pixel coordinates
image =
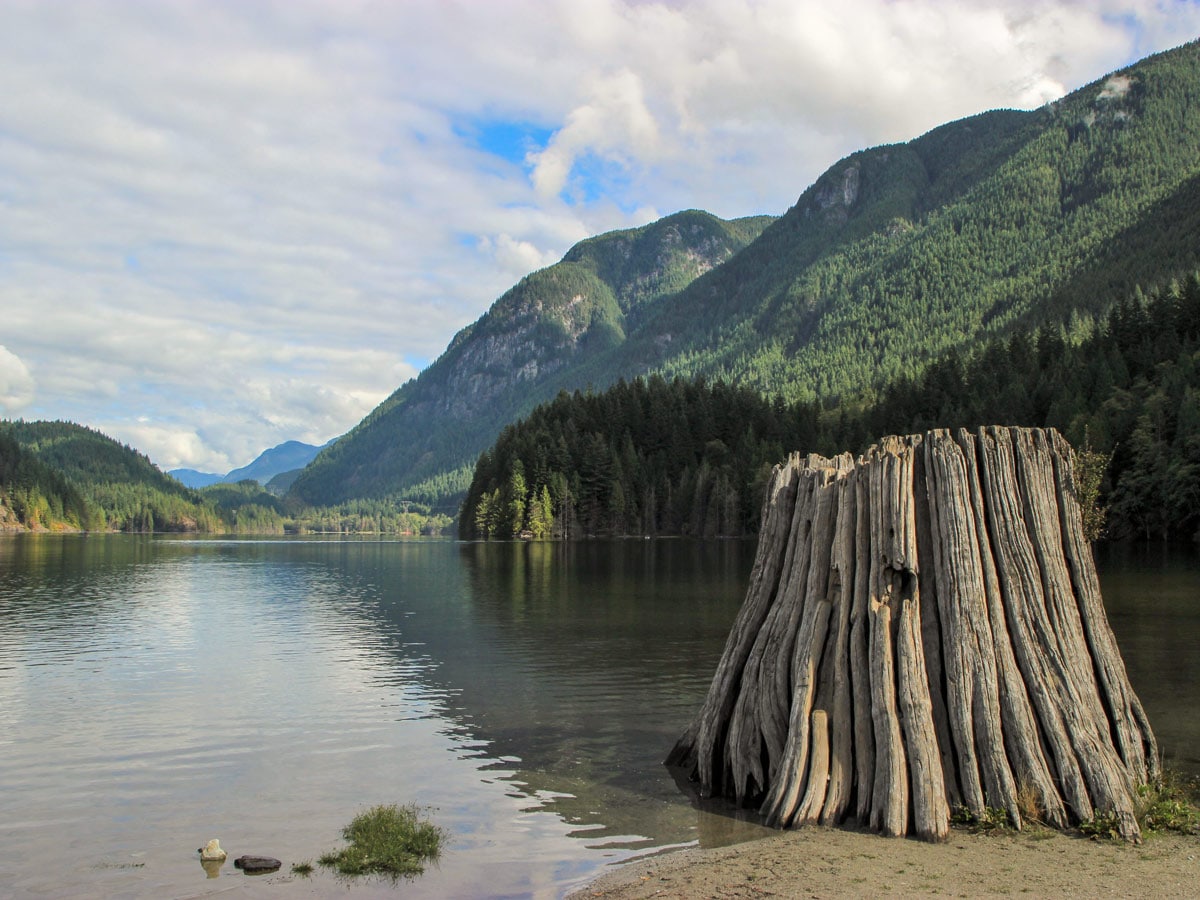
(60, 476)
(37, 496)
(653, 456)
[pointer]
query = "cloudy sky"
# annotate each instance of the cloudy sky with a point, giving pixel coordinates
(230, 223)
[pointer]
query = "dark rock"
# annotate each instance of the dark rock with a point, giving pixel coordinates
(253, 864)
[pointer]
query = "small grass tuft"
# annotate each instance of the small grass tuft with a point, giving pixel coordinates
(304, 869)
(1029, 802)
(988, 820)
(386, 840)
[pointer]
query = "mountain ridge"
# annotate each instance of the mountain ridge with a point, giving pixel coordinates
(1039, 208)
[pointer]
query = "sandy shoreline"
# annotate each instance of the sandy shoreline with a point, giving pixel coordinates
(821, 862)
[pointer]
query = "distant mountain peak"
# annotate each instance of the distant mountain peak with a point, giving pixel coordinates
(285, 457)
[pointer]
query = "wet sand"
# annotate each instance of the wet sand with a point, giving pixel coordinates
(820, 862)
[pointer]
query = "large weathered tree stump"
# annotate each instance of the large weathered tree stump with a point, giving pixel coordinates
(924, 631)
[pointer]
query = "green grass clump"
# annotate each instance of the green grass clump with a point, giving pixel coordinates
(386, 840)
(303, 869)
(1170, 804)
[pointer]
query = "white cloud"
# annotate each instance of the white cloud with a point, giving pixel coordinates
(16, 384)
(171, 446)
(614, 122)
(515, 256)
(235, 221)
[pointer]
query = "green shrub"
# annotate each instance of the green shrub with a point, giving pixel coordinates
(1170, 804)
(1103, 824)
(989, 819)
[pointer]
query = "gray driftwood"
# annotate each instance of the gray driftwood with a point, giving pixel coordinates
(923, 631)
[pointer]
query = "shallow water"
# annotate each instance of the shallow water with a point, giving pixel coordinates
(157, 692)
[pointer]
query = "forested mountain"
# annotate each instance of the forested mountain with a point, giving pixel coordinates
(530, 344)
(120, 489)
(686, 457)
(901, 252)
(58, 476)
(895, 255)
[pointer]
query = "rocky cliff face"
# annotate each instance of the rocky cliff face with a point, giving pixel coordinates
(837, 193)
(538, 329)
(9, 521)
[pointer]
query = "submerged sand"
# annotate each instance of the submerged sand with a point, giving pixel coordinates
(822, 862)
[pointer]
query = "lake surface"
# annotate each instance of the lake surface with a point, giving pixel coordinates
(156, 692)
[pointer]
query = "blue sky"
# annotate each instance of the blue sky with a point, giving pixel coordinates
(231, 223)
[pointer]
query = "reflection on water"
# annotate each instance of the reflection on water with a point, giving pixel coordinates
(1152, 594)
(156, 693)
(610, 649)
(212, 867)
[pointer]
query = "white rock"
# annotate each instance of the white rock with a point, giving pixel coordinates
(212, 850)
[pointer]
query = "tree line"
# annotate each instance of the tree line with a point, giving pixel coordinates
(1130, 391)
(38, 497)
(648, 456)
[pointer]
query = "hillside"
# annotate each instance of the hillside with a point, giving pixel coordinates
(531, 343)
(894, 256)
(59, 476)
(36, 497)
(117, 487)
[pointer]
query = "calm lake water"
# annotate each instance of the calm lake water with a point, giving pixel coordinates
(156, 692)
